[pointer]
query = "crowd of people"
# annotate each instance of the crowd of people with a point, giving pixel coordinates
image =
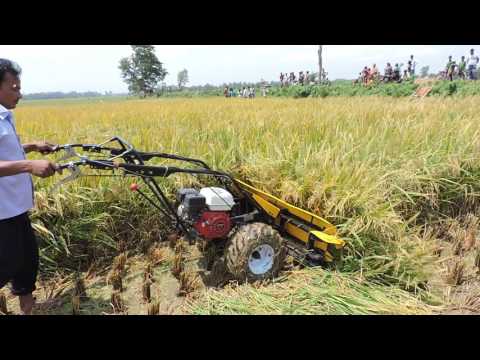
(391, 73)
(466, 68)
(245, 92)
(303, 78)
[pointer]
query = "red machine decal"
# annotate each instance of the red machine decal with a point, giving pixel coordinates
(213, 224)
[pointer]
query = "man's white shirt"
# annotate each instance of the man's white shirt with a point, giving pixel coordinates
(16, 191)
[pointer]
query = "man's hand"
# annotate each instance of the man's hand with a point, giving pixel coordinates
(40, 146)
(42, 168)
(45, 147)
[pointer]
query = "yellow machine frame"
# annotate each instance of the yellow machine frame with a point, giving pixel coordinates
(312, 230)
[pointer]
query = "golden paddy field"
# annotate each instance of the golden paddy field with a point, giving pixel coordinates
(399, 178)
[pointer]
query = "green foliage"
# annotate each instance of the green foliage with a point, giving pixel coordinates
(341, 88)
(346, 89)
(142, 70)
(456, 88)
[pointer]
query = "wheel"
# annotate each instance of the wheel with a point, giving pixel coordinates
(255, 252)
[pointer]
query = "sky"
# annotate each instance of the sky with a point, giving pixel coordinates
(95, 67)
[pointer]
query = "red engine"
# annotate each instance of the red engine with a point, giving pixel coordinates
(213, 224)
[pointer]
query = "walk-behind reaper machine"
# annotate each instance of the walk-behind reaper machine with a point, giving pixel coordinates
(253, 229)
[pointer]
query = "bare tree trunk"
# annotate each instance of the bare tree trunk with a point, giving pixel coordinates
(320, 70)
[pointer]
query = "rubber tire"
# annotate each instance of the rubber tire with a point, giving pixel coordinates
(241, 245)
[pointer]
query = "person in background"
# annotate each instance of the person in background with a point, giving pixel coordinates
(451, 70)
(307, 78)
(397, 73)
(282, 77)
(388, 73)
(448, 66)
(462, 67)
(292, 78)
(365, 75)
(409, 69)
(413, 66)
(301, 78)
(472, 63)
(264, 88)
(375, 72)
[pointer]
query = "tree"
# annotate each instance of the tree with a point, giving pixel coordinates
(424, 71)
(142, 70)
(182, 78)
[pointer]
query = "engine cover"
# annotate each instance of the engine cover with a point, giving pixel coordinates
(213, 225)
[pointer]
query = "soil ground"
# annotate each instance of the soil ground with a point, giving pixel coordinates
(456, 280)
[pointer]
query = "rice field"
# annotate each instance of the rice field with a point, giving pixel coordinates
(398, 176)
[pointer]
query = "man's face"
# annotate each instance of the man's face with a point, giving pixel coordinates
(10, 93)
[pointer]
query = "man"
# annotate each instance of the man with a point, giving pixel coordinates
(396, 73)
(449, 65)
(375, 72)
(18, 246)
(292, 78)
(365, 75)
(388, 72)
(451, 71)
(472, 62)
(413, 65)
(301, 78)
(462, 67)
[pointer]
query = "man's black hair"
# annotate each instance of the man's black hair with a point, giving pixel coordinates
(8, 66)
